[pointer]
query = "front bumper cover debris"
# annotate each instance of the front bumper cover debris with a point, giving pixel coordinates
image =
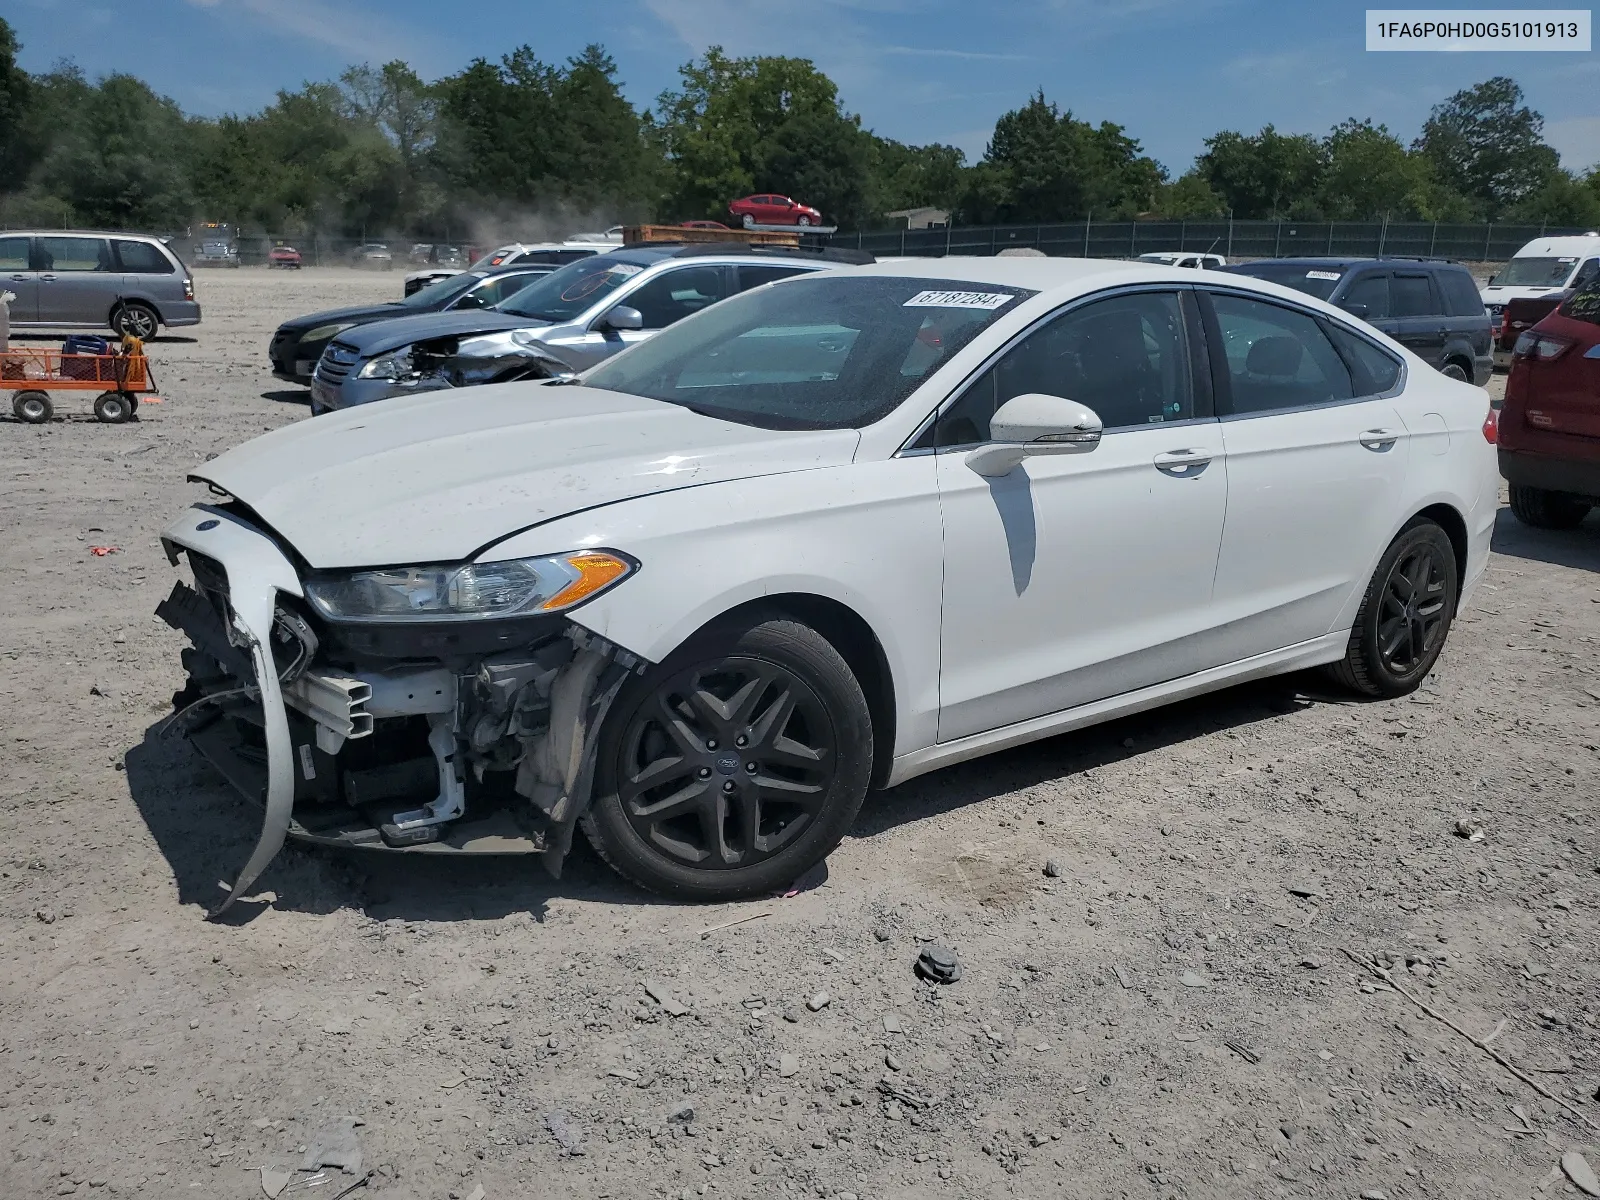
(274, 722)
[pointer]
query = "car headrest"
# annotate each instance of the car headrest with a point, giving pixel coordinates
(1275, 356)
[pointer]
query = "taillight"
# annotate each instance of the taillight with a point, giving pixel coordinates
(1491, 427)
(188, 288)
(1543, 346)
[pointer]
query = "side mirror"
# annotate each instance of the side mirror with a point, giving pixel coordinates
(1356, 310)
(1033, 424)
(623, 317)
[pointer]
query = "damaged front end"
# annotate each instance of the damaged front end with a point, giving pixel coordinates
(426, 736)
(467, 361)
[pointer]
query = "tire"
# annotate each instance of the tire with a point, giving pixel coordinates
(803, 221)
(1547, 510)
(113, 408)
(32, 408)
(694, 828)
(1405, 616)
(1454, 370)
(749, 221)
(137, 320)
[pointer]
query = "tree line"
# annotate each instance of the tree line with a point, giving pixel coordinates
(380, 150)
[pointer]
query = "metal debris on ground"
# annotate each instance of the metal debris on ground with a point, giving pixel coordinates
(665, 999)
(1244, 1052)
(1576, 1168)
(335, 1145)
(567, 1136)
(709, 930)
(274, 1181)
(938, 964)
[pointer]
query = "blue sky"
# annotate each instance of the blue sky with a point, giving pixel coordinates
(919, 70)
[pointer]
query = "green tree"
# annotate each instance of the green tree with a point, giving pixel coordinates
(769, 124)
(1368, 174)
(1485, 144)
(905, 176)
(1045, 165)
(1189, 197)
(15, 92)
(1265, 176)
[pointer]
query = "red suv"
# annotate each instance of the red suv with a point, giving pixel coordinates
(1550, 425)
(767, 209)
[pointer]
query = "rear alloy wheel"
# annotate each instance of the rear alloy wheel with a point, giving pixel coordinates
(1454, 370)
(34, 408)
(1547, 510)
(136, 320)
(113, 408)
(1405, 616)
(734, 766)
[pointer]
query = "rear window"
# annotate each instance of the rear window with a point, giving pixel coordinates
(1312, 279)
(1461, 297)
(142, 257)
(1584, 305)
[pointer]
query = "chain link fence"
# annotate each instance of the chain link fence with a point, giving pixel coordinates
(1234, 239)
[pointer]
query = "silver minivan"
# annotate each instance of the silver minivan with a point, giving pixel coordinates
(67, 279)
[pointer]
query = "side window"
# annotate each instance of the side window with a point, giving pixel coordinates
(13, 254)
(142, 258)
(492, 291)
(1587, 273)
(1277, 357)
(1412, 296)
(1126, 357)
(73, 254)
(1372, 291)
(1374, 371)
(754, 277)
(1461, 298)
(676, 294)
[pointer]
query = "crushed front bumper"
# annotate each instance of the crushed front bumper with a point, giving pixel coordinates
(277, 719)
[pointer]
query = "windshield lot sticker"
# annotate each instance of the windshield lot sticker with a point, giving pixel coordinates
(984, 300)
(1322, 275)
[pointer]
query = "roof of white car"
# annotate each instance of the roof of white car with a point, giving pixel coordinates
(1037, 274)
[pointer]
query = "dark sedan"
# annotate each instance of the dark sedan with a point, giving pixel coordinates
(297, 344)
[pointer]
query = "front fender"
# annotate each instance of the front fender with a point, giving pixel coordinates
(866, 535)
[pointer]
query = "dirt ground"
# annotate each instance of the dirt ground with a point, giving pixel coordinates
(1172, 1014)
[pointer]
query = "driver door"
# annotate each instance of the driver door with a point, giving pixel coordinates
(1077, 577)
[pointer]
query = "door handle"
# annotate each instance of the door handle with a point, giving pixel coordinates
(1182, 464)
(47, 277)
(1379, 440)
(19, 278)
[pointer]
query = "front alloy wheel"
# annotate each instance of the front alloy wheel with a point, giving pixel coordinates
(734, 766)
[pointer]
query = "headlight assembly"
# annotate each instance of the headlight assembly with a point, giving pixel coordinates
(326, 333)
(397, 366)
(468, 591)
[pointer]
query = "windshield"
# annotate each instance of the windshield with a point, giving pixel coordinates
(1312, 280)
(819, 352)
(1536, 272)
(564, 294)
(441, 290)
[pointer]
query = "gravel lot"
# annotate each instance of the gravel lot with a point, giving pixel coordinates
(1171, 1016)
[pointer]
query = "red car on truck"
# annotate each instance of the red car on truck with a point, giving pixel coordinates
(768, 209)
(1549, 433)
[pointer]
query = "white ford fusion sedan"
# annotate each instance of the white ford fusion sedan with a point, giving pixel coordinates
(825, 536)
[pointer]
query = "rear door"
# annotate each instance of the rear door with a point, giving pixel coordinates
(146, 271)
(1367, 296)
(78, 283)
(1316, 471)
(18, 277)
(1419, 321)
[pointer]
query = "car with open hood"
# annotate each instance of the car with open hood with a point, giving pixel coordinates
(825, 536)
(298, 343)
(567, 321)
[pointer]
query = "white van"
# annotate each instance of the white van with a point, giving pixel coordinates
(1543, 266)
(1172, 258)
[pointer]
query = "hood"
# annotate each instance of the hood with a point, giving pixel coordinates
(437, 477)
(365, 312)
(391, 333)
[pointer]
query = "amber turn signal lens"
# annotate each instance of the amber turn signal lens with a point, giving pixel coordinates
(595, 570)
